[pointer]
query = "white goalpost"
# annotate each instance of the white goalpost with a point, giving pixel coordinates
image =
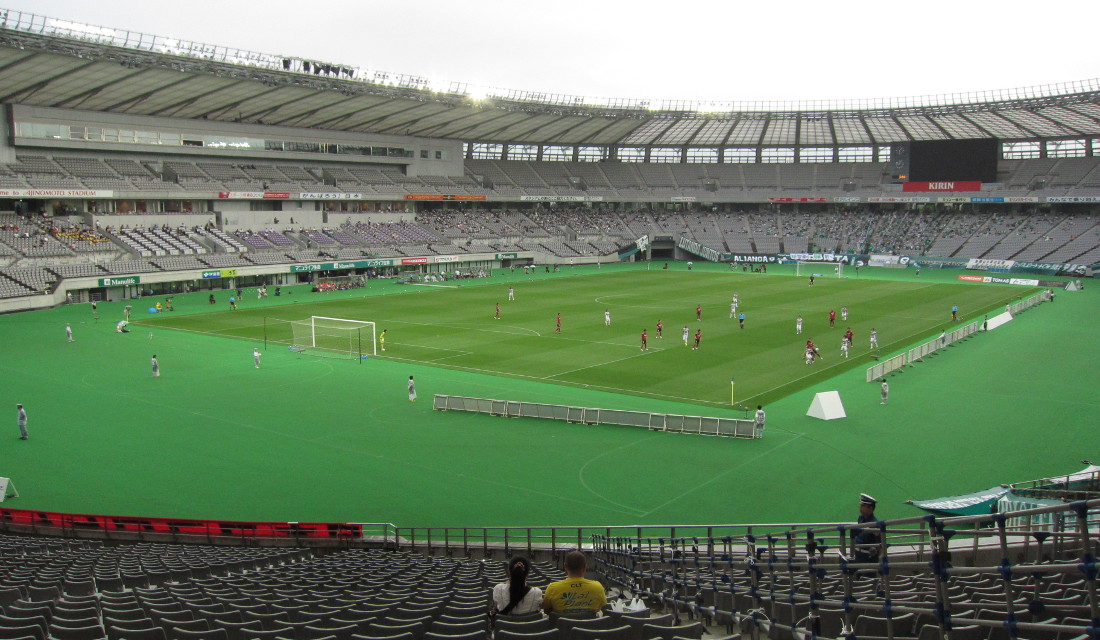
(335, 337)
(824, 269)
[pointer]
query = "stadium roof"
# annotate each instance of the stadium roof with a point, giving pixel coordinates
(47, 62)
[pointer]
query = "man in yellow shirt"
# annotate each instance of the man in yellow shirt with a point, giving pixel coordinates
(576, 594)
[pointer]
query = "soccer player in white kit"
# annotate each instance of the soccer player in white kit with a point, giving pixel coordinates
(844, 346)
(798, 325)
(874, 338)
(733, 309)
(844, 313)
(607, 318)
(809, 355)
(687, 332)
(69, 332)
(511, 293)
(256, 357)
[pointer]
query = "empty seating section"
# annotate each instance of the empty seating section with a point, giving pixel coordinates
(277, 239)
(158, 242)
(220, 239)
(253, 241)
(224, 260)
(513, 178)
(77, 270)
(313, 237)
(60, 589)
(125, 267)
(18, 282)
(564, 232)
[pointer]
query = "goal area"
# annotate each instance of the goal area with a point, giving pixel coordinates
(822, 269)
(335, 337)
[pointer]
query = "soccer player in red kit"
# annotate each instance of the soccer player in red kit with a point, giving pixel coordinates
(498, 311)
(645, 346)
(698, 312)
(698, 336)
(557, 329)
(660, 328)
(832, 317)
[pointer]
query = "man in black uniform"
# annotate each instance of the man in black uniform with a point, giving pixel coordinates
(865, 541)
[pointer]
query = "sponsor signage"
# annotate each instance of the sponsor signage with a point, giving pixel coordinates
(1021, 199)
(1073, 198)
(220, 273)
(882, 260)
(986, 199)
(819, 257)
(847, 199)
(507, 256)
(1061, 268)
(741, 257)
(899, 199)
(987, 264)
(414, 261)
(561, 198)
(955, 199)
(1024, 282)
(440, 196)
(55, 193)
(684, 198)
(330, 196)
(439, 259)
(254, 195)
(962, 185)
(119, 282)
(330, 266)
(798, 199)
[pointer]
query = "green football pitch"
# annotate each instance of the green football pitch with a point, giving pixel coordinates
(454, 325)
(311, 438)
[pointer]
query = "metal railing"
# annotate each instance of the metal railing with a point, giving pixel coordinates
(668, 422)
(816, 581)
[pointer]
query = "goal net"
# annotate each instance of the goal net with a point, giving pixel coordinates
(821, 269)
(335, 337)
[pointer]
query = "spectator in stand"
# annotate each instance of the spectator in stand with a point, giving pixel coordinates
(515, 597)
(575, 594)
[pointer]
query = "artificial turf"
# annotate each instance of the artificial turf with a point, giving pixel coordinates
(307, 438)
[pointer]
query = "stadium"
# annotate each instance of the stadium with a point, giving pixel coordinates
(309, 350)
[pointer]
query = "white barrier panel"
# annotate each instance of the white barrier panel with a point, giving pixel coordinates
(696, 425)
(879, 370)
(998, 320)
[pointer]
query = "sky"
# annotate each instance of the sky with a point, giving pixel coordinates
(692, 50)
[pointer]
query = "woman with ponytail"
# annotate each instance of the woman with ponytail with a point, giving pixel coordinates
(515, 597)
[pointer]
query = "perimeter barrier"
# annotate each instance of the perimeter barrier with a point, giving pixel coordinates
(673, 423)
(944, 340)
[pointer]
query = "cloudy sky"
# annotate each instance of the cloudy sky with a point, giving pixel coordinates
(686, 49)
